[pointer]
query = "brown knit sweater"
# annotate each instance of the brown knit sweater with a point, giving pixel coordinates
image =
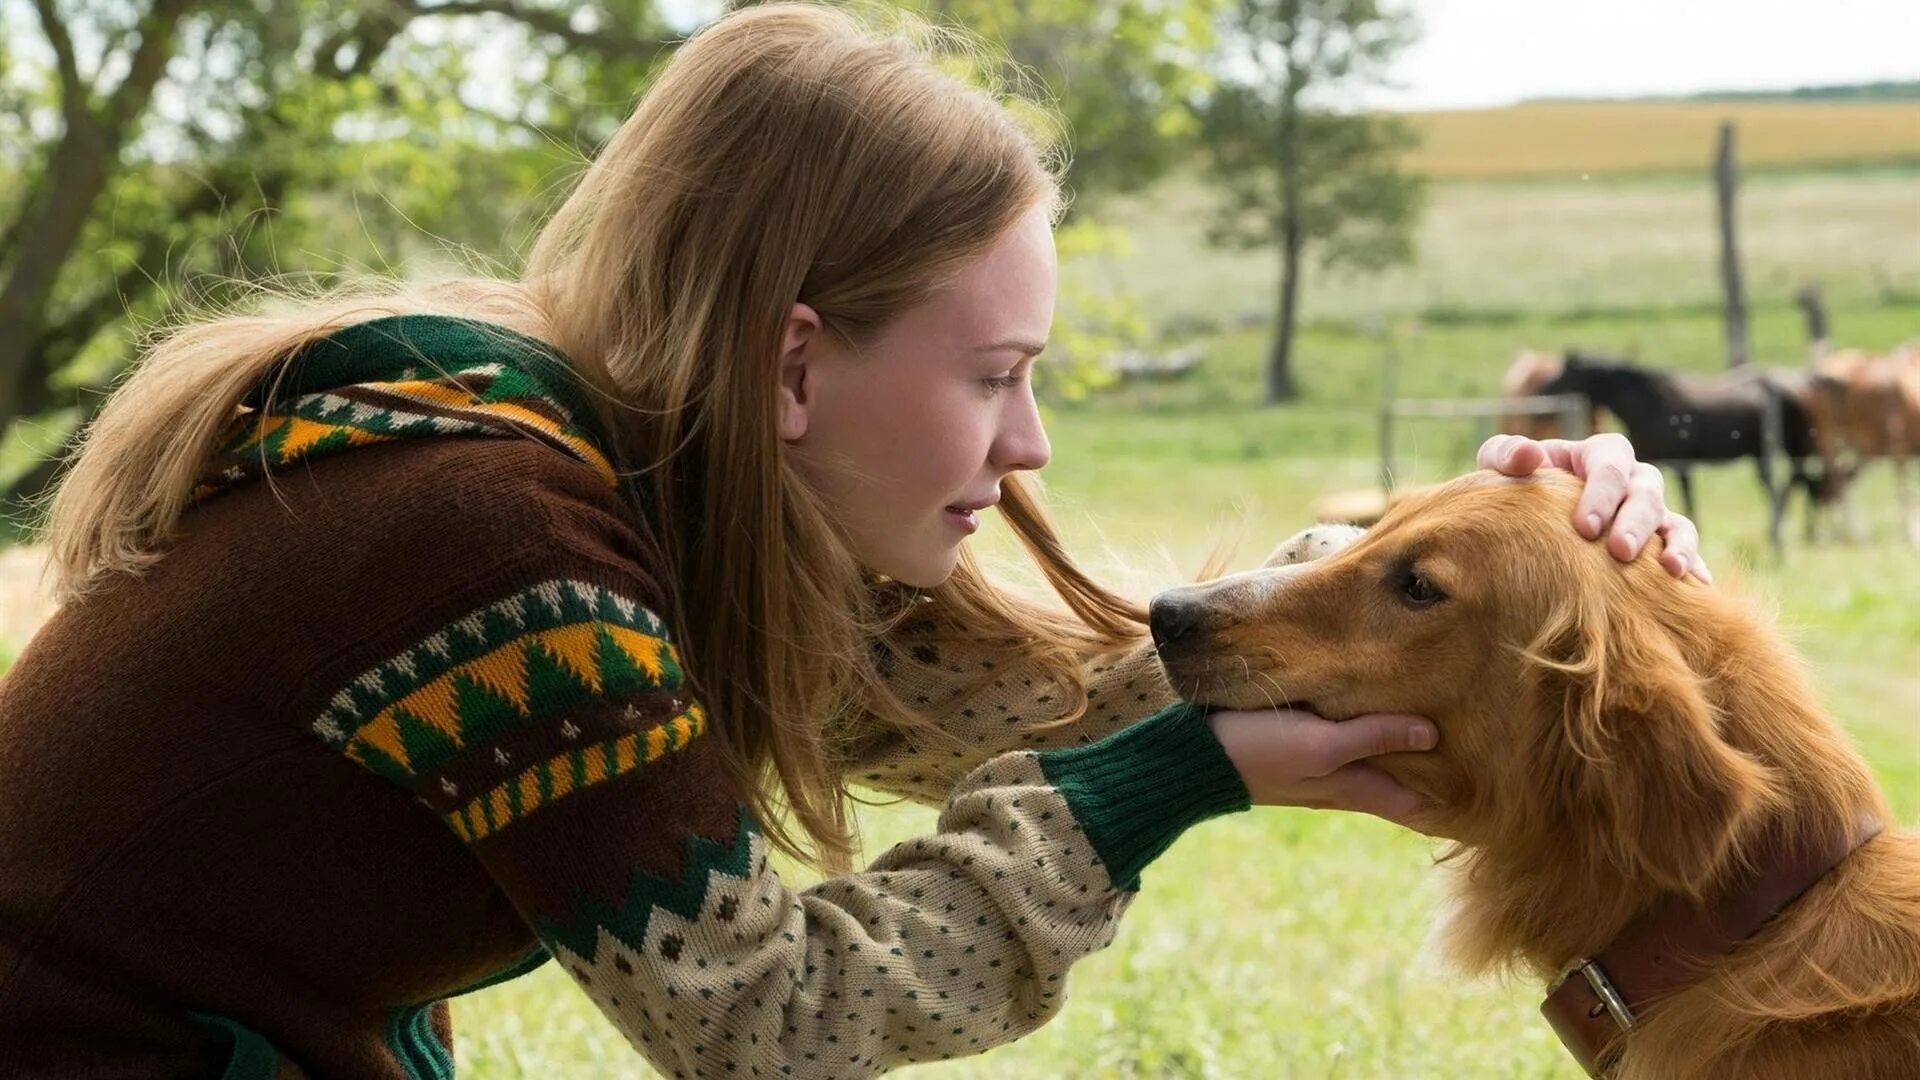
(388, 725)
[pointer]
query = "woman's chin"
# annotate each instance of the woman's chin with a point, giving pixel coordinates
(918, 570)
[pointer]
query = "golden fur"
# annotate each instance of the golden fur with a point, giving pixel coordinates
(1608, 734)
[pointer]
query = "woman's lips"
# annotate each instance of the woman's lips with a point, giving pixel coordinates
(967, 520)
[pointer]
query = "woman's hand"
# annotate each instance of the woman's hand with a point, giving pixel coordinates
(1291, 758)
(1625, 499)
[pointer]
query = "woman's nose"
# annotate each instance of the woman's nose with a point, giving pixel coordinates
(1023, 440)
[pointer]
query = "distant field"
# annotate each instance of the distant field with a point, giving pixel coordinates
(1288, 944)
(1559, 247)
(1572, 139)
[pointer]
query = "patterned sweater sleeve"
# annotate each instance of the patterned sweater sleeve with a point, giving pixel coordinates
(549, 725)
(988, 701)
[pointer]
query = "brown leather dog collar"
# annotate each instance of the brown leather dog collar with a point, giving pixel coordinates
(1597, 1002)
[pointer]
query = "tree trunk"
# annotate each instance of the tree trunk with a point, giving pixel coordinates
(48, 231)
(1280, 383)
(1726, 171)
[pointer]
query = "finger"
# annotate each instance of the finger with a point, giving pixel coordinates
(1606, 461)
(1513, 455)
(1365, 789)
(1673, 559)
(1643, 512)
(1563, 454)
(1492, 450)
(1681, 553)
(1335, 745)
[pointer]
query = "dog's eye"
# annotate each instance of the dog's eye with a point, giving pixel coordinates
(1419, 590)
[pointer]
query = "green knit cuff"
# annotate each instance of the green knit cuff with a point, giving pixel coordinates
(1137, 790)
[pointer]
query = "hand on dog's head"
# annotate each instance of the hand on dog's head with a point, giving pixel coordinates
(1591, 729)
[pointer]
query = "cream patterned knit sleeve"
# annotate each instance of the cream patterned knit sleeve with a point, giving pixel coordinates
(988, 702)
(550, 728)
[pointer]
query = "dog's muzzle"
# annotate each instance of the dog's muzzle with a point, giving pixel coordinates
(1178, 620)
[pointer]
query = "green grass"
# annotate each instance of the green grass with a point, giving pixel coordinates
(1287, 943)
(1552, 247)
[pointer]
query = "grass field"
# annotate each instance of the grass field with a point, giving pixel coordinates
(1558, 250)
(1289, 944)
(1595, 138)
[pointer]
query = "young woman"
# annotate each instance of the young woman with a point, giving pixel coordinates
(411, 641)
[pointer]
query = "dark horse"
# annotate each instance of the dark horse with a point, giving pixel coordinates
(1675, 421)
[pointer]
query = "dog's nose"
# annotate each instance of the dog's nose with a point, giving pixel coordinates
(1174, 618)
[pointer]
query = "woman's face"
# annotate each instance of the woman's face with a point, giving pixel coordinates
(908, 439)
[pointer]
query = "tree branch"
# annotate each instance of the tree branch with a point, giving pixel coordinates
(17, 228)
(78, 171)
(74, 93)
(554, 23)
(149, 63)
(369, 37)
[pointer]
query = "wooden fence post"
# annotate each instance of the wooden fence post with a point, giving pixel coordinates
(1726, 177)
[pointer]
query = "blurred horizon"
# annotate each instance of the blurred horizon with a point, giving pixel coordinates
(1474, 54)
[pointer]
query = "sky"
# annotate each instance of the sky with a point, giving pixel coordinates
(1494, 52)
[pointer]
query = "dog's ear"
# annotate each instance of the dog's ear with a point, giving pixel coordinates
(1638, 765)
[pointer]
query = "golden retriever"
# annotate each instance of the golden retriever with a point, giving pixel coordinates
(1610, 739)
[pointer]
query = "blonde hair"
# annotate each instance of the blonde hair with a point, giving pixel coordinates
(786, 152)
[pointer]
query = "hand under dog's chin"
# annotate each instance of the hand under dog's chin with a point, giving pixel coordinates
(1217, 691)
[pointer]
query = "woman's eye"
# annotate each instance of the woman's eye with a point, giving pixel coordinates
(1002, 382)
(1419, 591)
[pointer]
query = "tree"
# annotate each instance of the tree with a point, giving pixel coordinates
(1119, 72)
(1297, 174)
(159, 150)
(160, 155)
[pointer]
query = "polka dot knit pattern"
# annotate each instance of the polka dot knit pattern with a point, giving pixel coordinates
(543, 715)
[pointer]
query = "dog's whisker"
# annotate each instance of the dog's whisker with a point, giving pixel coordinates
(1263, 678)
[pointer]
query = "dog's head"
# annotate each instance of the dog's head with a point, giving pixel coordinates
(1582, 703)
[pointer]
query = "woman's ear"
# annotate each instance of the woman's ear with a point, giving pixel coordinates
(798, 341)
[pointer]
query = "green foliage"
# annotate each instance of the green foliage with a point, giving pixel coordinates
(287, 142)
(1356, 208)
(1120, 73)
(307, 142)
(1093, 325)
